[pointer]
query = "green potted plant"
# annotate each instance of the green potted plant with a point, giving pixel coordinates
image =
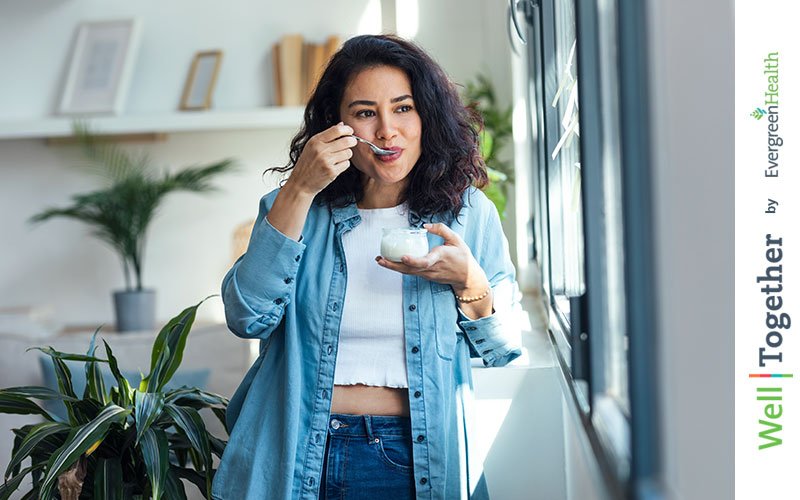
(120, 213)
(495, 134)
(124, 442)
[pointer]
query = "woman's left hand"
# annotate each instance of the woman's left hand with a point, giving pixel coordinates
(451, 264)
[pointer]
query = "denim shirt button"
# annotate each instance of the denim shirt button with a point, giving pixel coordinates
(412, 307)
(278, 301)
(335, 424)
(330, 349)
(335, 306)
(417, 394)
(424, 480)
(415, 349)
(288, 280)
(420, 438)
(297, 259)
(311, 481)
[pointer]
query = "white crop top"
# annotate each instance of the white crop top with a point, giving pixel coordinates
(371, 336)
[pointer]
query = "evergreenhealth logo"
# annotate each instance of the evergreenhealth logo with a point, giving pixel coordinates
(758, 113)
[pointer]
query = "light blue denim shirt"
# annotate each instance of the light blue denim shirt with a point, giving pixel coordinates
(289, 294)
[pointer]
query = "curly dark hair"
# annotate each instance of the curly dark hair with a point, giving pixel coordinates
(449, 162)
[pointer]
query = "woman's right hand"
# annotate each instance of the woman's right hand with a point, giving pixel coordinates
(325, 156)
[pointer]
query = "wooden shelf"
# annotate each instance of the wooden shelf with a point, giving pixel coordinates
(178, 121)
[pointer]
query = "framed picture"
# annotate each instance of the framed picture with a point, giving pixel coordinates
(201, 80)
(101, 67)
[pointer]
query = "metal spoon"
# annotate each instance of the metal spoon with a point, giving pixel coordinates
(375, 149)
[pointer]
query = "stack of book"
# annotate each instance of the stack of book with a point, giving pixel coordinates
(297, 67)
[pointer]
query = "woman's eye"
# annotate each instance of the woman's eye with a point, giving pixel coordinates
(365, 113)
(405, 108)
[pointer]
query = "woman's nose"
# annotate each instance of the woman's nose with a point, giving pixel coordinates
(387, 129)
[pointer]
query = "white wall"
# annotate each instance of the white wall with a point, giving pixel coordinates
(692, 62)
(189, 247)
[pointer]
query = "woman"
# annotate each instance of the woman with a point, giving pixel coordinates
(359, 389)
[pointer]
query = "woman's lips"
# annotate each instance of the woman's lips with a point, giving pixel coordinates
(391, 158)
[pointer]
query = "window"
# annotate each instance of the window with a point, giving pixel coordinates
(573, 59)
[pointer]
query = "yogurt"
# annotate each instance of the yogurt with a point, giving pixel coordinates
(404, 241)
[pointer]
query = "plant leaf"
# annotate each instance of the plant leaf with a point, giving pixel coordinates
(12, 403)
(152, 381)
(10, 486)
(32, 440)
(68, 356)
(155, 452)
(95, 385)
(189, 421)
(36, 392)
(221, 414)
(85, 410)
(192, 476)
(148, 409)
(185, 396)
(78, 443)
(123, 387)
(108, 479)
(217, 445)
(172, 335)
(174, 488)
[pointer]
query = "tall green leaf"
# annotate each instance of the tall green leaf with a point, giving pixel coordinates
(193, 477)
(153, 380)
(155, 452)
(108, 479)
(174, 489)
(10, 486)
(95, 385)
(194, 397)
(12, 403)
(36, 392)
(35, 436)
(148, 409)
(67, 356)
(123, 387)
(189, 421)
(172, 335)
(82, 440)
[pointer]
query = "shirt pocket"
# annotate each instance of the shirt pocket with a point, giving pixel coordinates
(445, 317)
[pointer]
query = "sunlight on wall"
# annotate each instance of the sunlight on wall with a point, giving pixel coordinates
(519, 120)
(370, 22)
(491, 413)
(407, 18)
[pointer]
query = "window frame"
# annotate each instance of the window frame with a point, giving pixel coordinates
(624, 440)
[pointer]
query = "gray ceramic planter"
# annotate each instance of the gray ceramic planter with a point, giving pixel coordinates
(135, 310)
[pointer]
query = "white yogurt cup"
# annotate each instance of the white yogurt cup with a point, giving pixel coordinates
(397, 242)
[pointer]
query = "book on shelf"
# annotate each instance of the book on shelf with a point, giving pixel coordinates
(298, 66)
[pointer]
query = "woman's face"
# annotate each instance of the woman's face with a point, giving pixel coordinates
(379, 106)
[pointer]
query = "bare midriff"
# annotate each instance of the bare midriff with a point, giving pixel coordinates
(369, 400)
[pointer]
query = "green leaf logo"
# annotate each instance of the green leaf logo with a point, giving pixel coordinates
(758, 113)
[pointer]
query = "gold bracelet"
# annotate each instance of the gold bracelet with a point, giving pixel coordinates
(467, 300)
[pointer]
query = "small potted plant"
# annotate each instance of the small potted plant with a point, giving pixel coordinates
(122, 442)
(120, 213)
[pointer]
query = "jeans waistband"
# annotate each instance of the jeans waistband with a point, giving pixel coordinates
(368, 425)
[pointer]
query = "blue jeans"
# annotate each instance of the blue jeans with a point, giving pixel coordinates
(368, 457)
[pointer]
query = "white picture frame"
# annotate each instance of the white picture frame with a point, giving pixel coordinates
(100, 68)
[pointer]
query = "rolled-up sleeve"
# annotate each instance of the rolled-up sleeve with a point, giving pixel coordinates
(260, 285)
(496, 338)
